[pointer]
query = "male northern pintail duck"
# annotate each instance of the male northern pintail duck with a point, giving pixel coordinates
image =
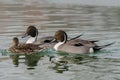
(78, 46)
(22, 47)
(32, 31)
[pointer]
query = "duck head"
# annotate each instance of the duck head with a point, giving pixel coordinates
(31, 31)
(61, 37)
(15, 41)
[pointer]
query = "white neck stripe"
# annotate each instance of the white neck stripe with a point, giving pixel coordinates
(31, 40)
(57, 45)
(60, 43)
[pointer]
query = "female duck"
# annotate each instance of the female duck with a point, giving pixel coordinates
(23, 48)
(75, 46)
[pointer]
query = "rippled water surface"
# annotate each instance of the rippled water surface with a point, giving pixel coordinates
(95, 22)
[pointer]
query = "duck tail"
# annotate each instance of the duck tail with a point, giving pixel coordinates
(93, 41)
(76, 37)
(97, 48)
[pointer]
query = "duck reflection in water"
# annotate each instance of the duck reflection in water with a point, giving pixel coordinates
(63, 61)
(30, 53)
(30, 60)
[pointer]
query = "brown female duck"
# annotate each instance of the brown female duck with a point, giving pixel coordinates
(23, 48)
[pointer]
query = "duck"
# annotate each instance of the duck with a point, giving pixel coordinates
(45, 42)
(17, 47)
(78, 46)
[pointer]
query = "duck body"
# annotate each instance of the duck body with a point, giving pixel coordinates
(74, 46)
(22, 47)
(61, 42)
(45, 42)
(32, 31)
(77, 46)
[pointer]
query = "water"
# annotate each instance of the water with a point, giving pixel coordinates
(98, 22)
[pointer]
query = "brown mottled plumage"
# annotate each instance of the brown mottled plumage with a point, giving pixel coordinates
(23, 48)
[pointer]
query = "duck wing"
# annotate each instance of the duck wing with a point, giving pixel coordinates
(26, 48)
(93, 41)
(76, 37)
(80, 42)
(44, 40)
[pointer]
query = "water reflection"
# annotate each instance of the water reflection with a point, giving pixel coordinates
(60, 66)
(62, 61)
(59, 61)
(30, 60)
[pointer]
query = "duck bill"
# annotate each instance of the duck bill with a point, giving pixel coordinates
(54, 40)
(24, 35)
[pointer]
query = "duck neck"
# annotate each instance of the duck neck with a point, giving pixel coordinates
(58, 45)
(31, 40)
(15, 44)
